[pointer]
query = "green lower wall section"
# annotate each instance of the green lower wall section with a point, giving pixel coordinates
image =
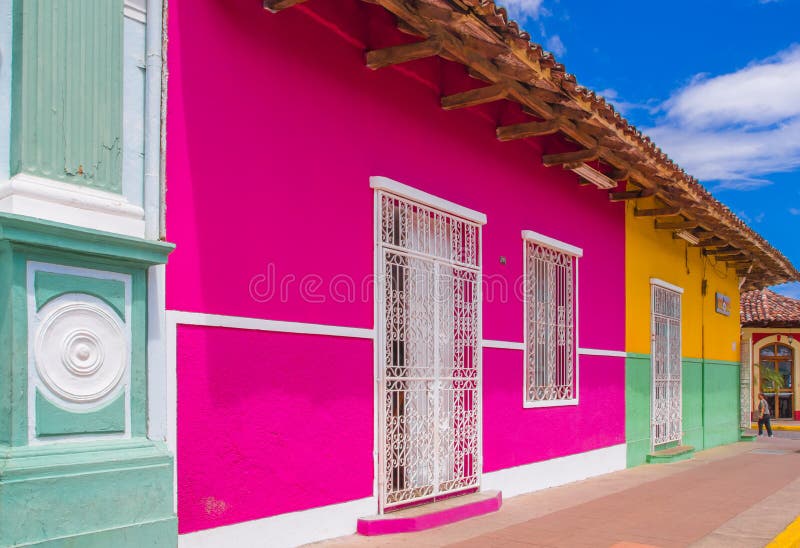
(710, 392)
(637, 407)
(103, 494)
(155, 533)
(52, 420)
(721, 405)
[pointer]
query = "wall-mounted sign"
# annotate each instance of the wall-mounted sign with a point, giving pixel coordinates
(723, 304)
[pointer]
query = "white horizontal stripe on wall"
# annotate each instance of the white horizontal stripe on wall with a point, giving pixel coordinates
(601, 352)
(257, 324)
(509, 345)
(550, 473)
(291, 529)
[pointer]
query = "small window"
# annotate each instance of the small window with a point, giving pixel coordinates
(550, 343)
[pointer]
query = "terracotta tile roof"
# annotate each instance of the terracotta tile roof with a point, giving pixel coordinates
(479, 35)
(765, 308)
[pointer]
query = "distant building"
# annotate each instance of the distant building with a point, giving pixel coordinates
(770, 333)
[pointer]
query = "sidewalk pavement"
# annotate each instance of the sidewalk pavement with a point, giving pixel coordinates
(736, 496)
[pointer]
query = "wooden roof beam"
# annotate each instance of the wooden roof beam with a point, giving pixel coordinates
(732, 257)
(528, 129)
(721, 251)
(628, 194)
(473, 97)
(395, 55)
(586, 155)
(675, 225)
(665, 211)
(279, 5)
(714, 242)
(588, 173)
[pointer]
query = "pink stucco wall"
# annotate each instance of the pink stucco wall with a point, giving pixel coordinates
(270, 423)
(275, 126)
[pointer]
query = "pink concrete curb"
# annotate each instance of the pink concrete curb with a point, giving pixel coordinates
(386, 525)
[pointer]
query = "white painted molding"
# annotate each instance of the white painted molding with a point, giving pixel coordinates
(103, 394)
(666, 285)
(551, 473)
(601, 352)
(257, 324)
(405, 191)
(508, 345)
(550, 403)
(157, 384)
(547, 241)
(42, 198)
(92, 353)
(136, 10)
(286, 530)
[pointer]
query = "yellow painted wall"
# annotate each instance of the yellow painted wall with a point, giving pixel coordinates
(652, 253)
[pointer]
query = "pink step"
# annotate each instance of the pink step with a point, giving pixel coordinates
(428, 516)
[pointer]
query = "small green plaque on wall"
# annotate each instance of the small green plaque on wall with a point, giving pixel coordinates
(723, 303)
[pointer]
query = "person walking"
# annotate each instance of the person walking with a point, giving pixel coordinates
(763, 415)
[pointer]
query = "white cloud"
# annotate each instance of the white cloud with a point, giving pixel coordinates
(623, 107)
(792, 289)
(523, 10)
(555, 45)
(738, 127)
(794, 211)
(760, 94)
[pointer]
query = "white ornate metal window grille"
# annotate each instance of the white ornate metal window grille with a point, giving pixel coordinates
(550, 339)
(430, 383)
(666, 400)
(745, 384)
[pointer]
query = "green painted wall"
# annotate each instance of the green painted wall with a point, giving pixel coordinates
(710, 391)
(721, 405)
(637, 407)
(67, 91)
(691, 389)
(49, 285)
(53, 420)
(6, 338)
(98, 491)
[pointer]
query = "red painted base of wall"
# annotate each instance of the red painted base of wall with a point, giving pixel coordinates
(398, 523)
(797, 415)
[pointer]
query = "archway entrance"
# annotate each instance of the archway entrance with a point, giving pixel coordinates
(779, 358)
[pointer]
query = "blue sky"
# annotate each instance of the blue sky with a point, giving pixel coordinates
(716, 84)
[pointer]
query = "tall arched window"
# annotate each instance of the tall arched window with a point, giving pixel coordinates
(779, 358)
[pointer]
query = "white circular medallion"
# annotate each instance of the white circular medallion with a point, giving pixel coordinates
(81, 352)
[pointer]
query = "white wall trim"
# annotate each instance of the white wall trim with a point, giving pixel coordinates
(257, 324)
(136, 10)
(508, 345)
(547, 241)
(389, 185)
(77, 205)
(551, 473)
(601, 352)
(286, 530)
(666, 285)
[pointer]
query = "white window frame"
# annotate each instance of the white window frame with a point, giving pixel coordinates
(529, 236)
(381, 184)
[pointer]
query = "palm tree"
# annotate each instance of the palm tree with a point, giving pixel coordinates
(770, 379)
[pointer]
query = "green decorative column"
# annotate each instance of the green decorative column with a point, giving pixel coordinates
(67, 91)
(76, 467)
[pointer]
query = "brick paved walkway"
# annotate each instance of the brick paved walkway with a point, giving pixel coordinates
(738, 496)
